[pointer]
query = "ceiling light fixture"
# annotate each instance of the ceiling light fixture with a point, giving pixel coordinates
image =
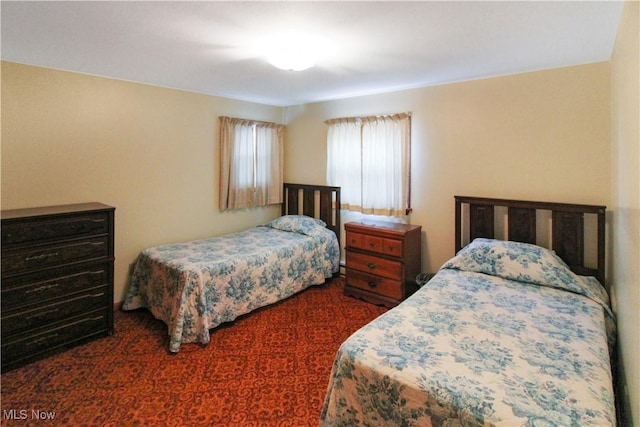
(295, 51)
(291, 59)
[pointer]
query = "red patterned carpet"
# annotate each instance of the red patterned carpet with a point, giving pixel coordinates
(268, 368)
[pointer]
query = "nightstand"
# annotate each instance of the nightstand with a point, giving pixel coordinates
(382, 261)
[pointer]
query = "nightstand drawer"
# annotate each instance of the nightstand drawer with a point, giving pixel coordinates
(372, 243)
(379, 285)
(374, 265)
(376, 244)
(355, 240)
(392, 247)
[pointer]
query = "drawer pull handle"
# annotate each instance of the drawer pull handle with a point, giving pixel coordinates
(372, 284)
(371, 266)
(88, 319)
(50, 336)
(43, 288)
(42, 339)
(101, 294)
(88, 296)
(42, 314)
(55, 254)
(55, 285)
(41, 256)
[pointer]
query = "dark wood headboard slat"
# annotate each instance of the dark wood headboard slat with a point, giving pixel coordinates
(308, 202)
(481, 221)
(291, 205)
(567, 227)
(568, 237)
(522, 224)
(326, 206)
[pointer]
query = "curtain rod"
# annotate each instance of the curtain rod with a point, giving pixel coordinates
(248, 121)
(355, 119)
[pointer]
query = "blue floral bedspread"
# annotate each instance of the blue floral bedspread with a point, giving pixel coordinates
(196, 286)
(504, 335)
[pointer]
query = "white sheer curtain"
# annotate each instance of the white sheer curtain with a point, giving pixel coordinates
(251, 154)
(385, 165)
(269, 164)
(344, 160)
(369, 158)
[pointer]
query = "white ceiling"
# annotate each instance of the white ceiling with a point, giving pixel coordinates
(210, 47)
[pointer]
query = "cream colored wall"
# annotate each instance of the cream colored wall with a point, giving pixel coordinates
(537, 136)
(625, 77)
(150, 152)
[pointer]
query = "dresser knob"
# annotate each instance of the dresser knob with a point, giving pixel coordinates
(372, 284)
(371, 266)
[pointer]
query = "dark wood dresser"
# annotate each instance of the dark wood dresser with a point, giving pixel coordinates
(57, 279)
(383, 259)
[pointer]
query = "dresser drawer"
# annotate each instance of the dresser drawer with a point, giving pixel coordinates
(73, 330)
(26, 232)
(37, 288)
(379, 285)
(15, 261)
(376, 244)
(374, 265)
(17, 321)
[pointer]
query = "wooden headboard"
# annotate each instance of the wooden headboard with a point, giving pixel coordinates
(316, 201)
(566, 226)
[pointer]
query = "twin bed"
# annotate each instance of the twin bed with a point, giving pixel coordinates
(506, 333)
(195, 286)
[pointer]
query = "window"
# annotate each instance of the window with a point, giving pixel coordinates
(369, 157)
(251, 154)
